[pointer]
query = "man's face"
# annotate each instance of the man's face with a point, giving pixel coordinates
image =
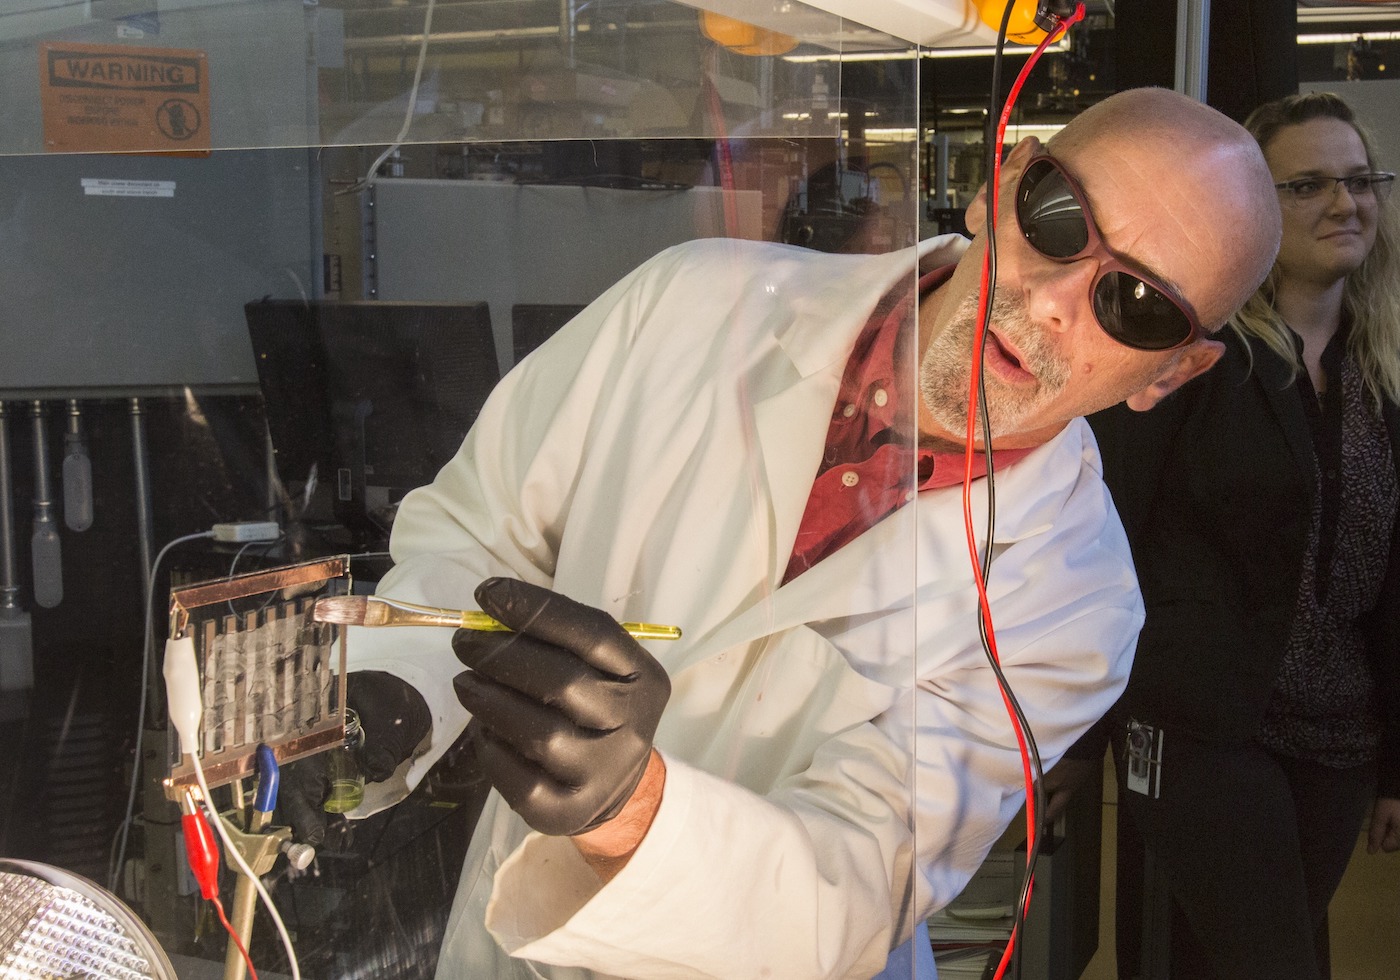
(1046, 358)
(1023, 370)
(1028, 368)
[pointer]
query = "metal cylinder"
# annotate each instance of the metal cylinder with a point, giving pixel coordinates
(155, 687)
(143, 490)
(241, 918)
(9, 573)
(45, 548)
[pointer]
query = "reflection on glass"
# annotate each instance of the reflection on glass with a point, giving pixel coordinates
(173, 174)
(118, 75)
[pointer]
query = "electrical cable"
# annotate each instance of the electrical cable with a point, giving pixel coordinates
(978, 413)
(238, 555)
(724, 152)
(228, 927)
(114, 871)
(412, 99)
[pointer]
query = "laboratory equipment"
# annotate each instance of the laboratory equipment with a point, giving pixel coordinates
(375, 397)
(347, 779)
(16, 630)
(57, 924)
(77, 472)
(266, 669)
(44, 546)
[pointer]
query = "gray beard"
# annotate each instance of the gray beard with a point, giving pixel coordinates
(944, 374)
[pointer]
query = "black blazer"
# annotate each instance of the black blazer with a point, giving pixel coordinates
(1215, 489)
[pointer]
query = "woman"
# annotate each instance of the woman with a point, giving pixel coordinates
(1261, 504)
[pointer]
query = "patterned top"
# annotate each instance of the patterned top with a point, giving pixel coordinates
(1324, 702)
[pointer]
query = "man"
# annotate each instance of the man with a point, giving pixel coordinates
(824, 758)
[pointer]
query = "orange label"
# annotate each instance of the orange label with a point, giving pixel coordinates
(100, 98)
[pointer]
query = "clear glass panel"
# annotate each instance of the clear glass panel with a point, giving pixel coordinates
(235, 149)
(265, 259)
(133, 75)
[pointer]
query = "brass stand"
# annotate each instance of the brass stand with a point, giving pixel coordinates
(258, 847)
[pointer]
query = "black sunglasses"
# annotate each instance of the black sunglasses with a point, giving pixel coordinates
(1132, 308)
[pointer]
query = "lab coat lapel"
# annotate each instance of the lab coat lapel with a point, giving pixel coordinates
(903, 555)
(865, 576)
(790, 427)
(792, 424)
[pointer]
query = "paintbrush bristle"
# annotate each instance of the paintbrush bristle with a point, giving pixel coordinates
(347, 610)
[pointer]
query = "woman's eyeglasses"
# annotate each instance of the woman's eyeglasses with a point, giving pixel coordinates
(1132, 308)
(1363, 188)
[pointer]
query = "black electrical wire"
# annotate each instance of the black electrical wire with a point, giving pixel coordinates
(993, 148)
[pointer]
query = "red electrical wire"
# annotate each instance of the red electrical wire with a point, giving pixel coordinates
(247, 960)
(979, 339)
(724, 152)
(727, 184)
(203, 854)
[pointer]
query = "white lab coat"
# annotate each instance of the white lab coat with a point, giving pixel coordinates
(654, 459)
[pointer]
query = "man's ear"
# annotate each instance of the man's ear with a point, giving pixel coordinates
(976, 216)
(1196, 359)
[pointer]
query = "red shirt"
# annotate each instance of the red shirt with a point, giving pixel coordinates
(872, 465)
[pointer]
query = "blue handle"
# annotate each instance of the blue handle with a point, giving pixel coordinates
(265, 797)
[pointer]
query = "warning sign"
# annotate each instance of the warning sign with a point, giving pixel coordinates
(117, 99)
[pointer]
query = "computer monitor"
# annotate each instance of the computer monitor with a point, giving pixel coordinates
(531, 324)
(377, 396)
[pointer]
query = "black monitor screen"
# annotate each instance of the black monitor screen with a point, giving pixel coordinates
(534, 323)
(376, 395)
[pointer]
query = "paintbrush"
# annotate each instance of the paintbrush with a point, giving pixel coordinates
(368, 610)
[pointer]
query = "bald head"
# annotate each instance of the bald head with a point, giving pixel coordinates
(1153, 114)
(1201, 171)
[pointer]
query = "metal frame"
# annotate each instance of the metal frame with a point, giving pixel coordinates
(225, 767)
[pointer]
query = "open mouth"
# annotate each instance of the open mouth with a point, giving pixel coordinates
(1004, 360)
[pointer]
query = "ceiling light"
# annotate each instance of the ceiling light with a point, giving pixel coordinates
(908, 54)
(1348, 38)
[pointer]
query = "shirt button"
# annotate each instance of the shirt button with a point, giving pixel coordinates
(850, 478)
(848, 411)
(910, 495)
(881, 397)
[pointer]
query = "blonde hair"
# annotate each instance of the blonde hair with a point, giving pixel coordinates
(1371, 297)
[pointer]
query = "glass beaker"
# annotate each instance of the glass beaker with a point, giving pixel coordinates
(347, 781)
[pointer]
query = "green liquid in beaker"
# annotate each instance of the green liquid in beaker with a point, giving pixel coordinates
(346, 794)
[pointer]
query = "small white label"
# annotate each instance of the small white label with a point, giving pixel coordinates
(108, 187)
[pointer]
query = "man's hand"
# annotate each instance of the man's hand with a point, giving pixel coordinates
(1385, 826)
(393, 719)
(564, 708)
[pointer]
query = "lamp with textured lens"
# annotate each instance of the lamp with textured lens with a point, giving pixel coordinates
(57, 924)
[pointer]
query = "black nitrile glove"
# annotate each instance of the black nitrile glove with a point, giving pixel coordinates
(393, 720)
(564, 709)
